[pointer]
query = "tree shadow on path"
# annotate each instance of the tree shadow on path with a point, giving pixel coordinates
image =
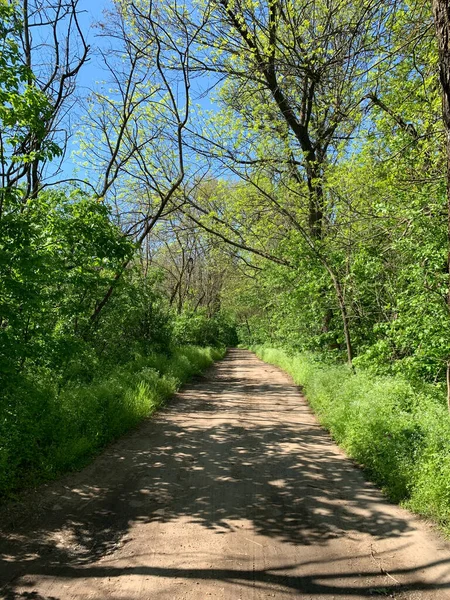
(228, 449)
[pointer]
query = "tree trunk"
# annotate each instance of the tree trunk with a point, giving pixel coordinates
(441, 11)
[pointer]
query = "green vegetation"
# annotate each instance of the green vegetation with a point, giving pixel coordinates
(46, 429)
(94, 334)
(399, 432)
(308, 210)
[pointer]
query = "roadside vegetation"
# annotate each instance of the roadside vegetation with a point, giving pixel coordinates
(47, 429)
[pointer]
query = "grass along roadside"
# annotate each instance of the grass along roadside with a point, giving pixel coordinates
(46, 431)
(398, 432)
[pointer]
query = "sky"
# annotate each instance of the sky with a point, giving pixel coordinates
(93, 12)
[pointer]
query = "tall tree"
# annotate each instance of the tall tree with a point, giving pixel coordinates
(135, 131)
(296, 71)
(441, 10)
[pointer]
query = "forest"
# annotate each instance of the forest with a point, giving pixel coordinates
(177, 178)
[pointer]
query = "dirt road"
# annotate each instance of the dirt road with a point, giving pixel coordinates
(232, 492)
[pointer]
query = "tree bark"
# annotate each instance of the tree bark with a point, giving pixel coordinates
(344, 316)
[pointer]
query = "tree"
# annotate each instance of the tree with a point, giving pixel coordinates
(294, 77)
(136, 131)
(43, 49)
(296, 72)
(441, 12)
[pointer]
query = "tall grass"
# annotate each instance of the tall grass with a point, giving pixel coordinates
(399, 432)
(45, 431)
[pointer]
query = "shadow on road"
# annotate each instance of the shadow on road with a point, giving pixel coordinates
(225, 450)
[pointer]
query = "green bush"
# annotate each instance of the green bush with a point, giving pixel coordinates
(397, 431)
(45, 430)
(201, 329)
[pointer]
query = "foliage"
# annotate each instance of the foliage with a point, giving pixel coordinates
(196, 327)
(57, 254)
(47, 429)
(25, 110)
(307, 210)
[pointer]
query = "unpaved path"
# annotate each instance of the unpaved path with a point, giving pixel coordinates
(232, 492)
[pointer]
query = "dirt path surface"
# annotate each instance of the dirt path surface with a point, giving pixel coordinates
(232, 492)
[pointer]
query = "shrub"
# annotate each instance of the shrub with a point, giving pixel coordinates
(198, 328)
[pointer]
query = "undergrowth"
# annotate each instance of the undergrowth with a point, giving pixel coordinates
(46, 429)
(397, 431)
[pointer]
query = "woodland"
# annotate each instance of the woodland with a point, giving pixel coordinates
(266, 173)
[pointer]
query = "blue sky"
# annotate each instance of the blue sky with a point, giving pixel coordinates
(91, 13)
